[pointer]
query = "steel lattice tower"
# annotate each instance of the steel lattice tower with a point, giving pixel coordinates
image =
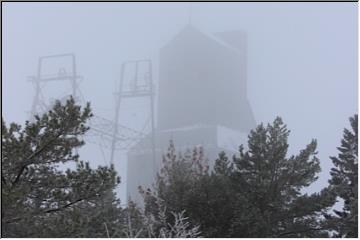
(103, 132)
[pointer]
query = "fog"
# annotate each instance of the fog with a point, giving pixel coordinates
(300, 64)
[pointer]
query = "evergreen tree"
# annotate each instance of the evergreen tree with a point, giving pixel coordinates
(156, 223)
(344, 182)
(38, 198)
(182, 184)
(256, 194)
(269, 187)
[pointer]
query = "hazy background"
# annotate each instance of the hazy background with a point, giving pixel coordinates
(302, 58)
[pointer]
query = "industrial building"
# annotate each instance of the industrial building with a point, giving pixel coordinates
(202, 100)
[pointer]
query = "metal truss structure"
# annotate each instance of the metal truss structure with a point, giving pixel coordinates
(103, 132)
(40, 103)
(140, 85)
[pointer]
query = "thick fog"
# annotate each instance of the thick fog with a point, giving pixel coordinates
(301, 63)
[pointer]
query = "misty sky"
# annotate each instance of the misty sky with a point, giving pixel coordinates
(302, 57)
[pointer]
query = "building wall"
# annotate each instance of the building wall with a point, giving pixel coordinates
(202, 88)
(202, 81)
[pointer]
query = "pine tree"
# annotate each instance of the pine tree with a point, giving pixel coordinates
(256, 194)
(181, 185)
(38, 198)
(269, 187)
(344, 182)
(160, 223)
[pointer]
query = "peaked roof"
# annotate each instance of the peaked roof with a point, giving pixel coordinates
(190, 31)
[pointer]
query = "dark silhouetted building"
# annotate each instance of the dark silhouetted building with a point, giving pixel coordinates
(202, 100)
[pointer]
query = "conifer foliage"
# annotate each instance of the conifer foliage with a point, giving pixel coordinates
(259, 193)
(344, 182)
(38, 198)
(269, 187)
